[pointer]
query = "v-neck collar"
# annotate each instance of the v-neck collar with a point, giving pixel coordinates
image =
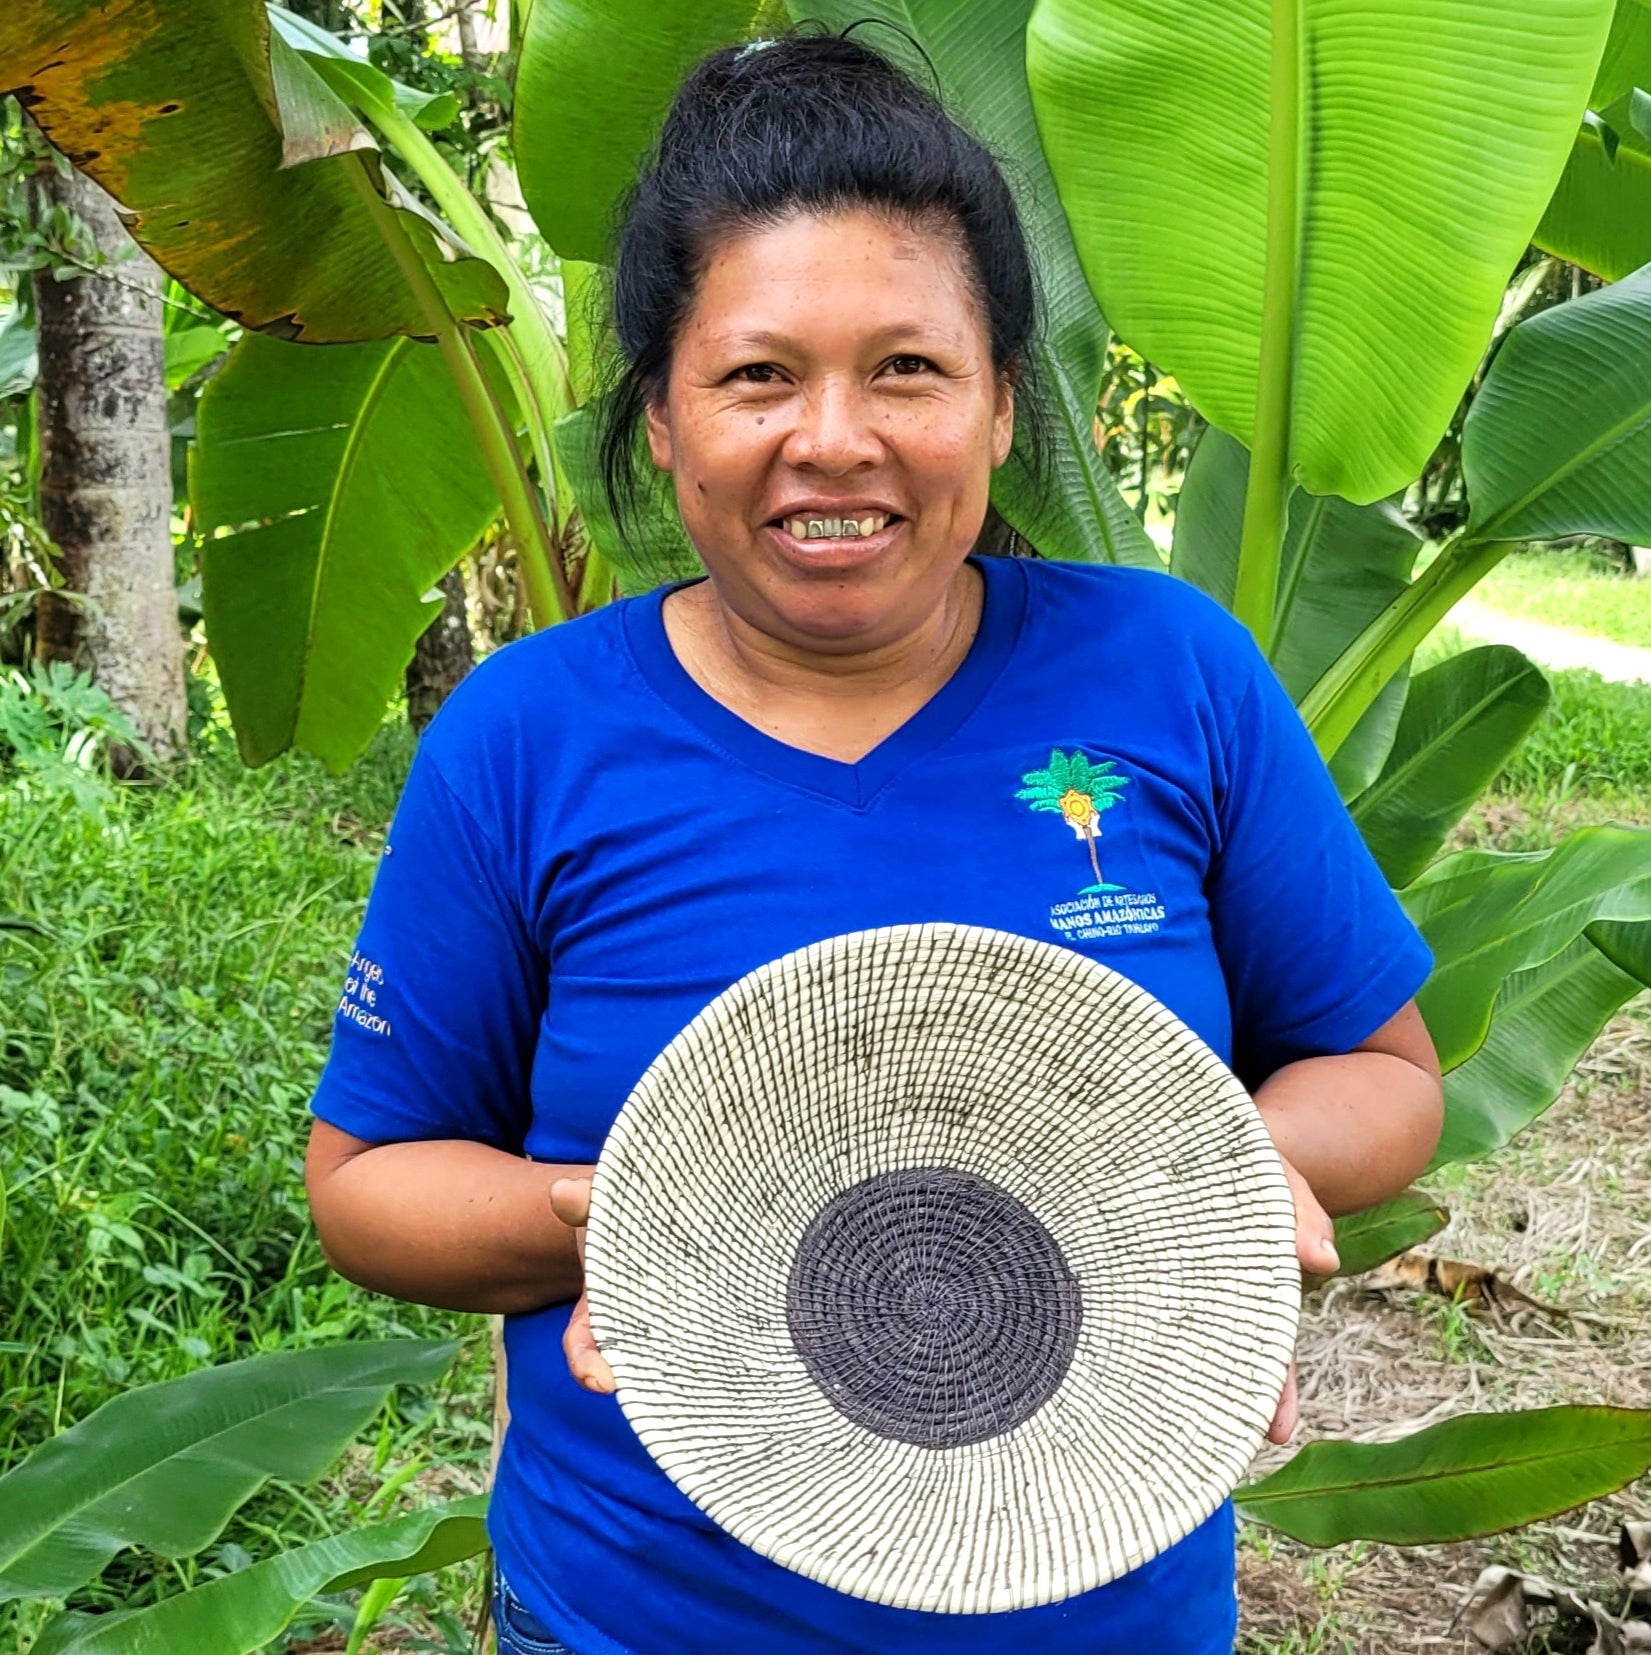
(857, 785)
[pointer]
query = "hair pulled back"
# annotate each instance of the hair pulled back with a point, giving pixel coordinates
(810, 123)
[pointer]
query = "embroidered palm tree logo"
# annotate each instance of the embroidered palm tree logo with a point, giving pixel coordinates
(1080, 791)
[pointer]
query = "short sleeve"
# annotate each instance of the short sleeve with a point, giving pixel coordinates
(1315, 948)
(436, 1024)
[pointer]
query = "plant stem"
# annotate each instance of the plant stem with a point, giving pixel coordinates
(1267, 494)
(528, 351)
(1340, 698)
(543, 360)
(541, 571)
(1141, 423)
(596, 583)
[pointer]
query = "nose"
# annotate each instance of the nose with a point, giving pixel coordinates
(835, 432)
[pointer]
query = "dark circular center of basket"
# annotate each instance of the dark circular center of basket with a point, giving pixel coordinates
(931, 1307)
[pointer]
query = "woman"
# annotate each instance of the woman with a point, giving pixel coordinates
(825, 303)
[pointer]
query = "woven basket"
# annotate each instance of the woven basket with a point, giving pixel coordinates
(945, 1267)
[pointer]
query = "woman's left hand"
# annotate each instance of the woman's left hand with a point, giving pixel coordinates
(1316, 1253)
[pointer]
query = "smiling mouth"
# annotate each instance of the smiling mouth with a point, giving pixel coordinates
(813, 527)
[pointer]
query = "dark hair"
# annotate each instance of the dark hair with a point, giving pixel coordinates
(806, 123)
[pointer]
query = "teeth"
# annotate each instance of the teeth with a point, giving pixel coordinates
(835, 528)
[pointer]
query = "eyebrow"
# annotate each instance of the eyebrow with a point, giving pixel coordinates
(766, 339)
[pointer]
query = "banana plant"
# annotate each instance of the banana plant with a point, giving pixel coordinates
(1600, 215)
(164, 1467)
(1319, 268)
(1282, 253)
(1456, 1480)
(252, 180)
(1533, 472)
(316, 554)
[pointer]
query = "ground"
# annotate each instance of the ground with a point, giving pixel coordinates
(1563, 1213)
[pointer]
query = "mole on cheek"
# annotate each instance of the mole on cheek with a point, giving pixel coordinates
(700, 487)
(761, 418)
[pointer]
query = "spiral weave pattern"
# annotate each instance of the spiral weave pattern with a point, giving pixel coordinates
(946, 1267)
(932, 1307)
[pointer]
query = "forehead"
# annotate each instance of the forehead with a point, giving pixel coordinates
(830, 279)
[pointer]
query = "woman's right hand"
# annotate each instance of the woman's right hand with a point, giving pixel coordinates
(570, 1201)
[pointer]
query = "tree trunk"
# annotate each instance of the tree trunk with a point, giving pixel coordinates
(106, 475)
(442, 656)
(468, 54)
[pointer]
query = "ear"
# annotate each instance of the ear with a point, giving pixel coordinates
(658, 426)
(1003, 420)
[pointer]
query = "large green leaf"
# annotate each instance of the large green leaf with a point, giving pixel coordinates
(1342, 566)
(1474, 1475)
(1430, 141)
(1544, 1020)
(1489, 914)
(173, 106)
(244, 1610)
(19, 356)
(1627, 59)
(1364, 1240)
(592, 88)
(655, 548)
(1600, 215)
(1462, 721)
(164, 1466)
(431, 110)
(976, 51)
(336, 487)
(1558, 440)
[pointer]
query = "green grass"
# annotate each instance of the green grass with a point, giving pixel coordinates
(1581, 591)
(1594, 740)
(158, 1045)
(1589, 756)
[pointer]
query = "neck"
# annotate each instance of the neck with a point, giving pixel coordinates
(839, 702)
(779, 665)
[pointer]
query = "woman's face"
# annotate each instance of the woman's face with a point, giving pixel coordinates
(832, 419)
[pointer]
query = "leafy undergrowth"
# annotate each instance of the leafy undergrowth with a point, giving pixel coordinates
(1581, 591)
(166, 988)
(1563, 1214)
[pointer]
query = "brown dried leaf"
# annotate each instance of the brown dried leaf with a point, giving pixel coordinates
(1634, 1547)
(1495, 1609)
(1497, 1618)
(1456, 1279)
(1614, 1637)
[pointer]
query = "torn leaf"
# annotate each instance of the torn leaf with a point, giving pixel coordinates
(1496, 1613)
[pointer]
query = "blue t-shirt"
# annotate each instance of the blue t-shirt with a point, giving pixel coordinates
(590, 848)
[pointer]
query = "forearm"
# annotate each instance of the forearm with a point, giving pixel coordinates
(448, 1223)
(1359, 1127)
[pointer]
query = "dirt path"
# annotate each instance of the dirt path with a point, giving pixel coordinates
(1563, 1213)
(1553, 646)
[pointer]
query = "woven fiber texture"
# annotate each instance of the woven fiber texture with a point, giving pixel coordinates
(945, 1267)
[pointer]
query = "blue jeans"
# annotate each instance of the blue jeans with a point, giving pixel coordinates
(519, 1632)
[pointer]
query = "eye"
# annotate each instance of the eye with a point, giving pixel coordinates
(905, 366)
(756, 373)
